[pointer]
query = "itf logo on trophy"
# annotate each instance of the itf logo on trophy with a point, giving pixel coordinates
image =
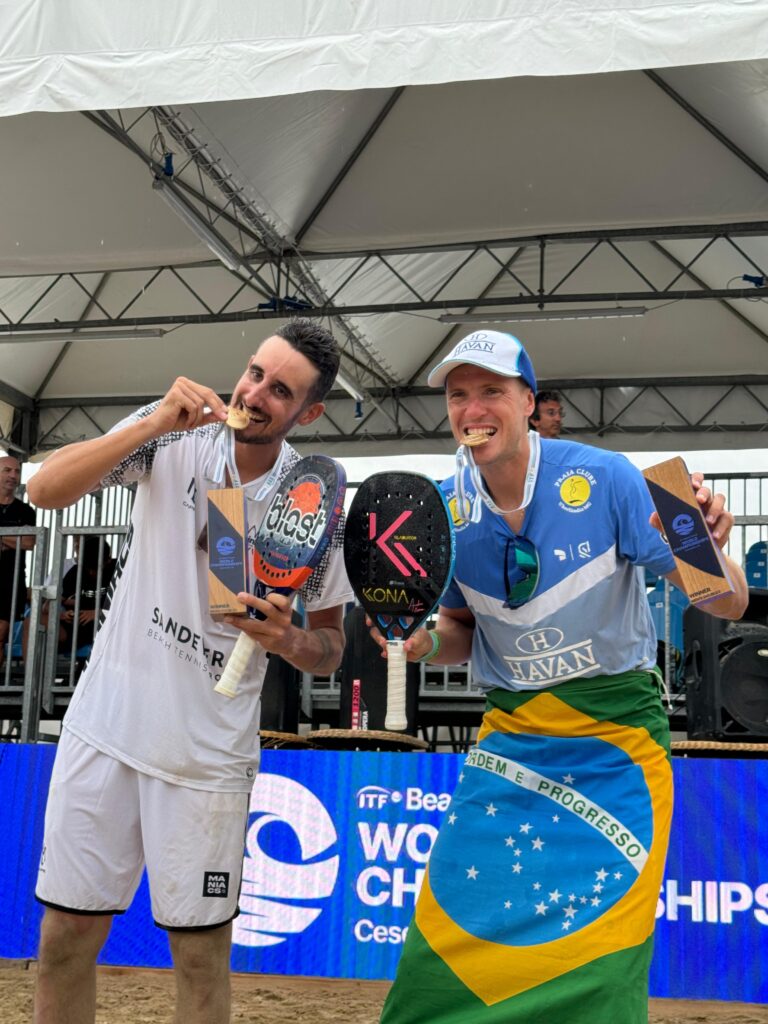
(697, 556)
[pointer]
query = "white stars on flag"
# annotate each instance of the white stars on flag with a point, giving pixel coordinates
(591, 878)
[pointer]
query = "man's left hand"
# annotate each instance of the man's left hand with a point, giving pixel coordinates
(719, 519)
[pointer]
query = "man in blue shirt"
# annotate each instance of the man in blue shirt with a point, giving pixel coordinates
(540, 897)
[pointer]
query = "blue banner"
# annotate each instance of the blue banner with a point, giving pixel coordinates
(336, 849)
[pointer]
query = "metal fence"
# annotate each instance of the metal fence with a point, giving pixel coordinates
(39, 671)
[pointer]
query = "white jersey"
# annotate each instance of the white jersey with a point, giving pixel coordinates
(146, 697)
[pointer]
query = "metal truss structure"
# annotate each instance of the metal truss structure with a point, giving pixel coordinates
(272, 276)
(647, 413)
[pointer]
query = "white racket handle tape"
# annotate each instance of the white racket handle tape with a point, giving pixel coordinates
(236, 665)
(396, 719)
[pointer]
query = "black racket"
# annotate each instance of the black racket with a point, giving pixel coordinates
(290, 542)
(399, 552)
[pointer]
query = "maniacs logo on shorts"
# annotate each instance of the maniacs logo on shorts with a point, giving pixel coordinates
(575, 489)
(216, 883)
(276, 890)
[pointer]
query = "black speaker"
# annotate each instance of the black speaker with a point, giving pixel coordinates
(362, 660)
(281, 693)
(726, 673)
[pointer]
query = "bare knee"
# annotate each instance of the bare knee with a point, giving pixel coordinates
(202, 956)
(66, 938)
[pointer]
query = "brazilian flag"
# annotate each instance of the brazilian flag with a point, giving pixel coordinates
(540, 897)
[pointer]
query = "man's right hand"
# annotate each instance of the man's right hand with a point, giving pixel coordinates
(186, 405)
(416, 646)
(78, 468)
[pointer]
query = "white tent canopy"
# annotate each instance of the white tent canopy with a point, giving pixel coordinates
(93, 54)
(388, 165)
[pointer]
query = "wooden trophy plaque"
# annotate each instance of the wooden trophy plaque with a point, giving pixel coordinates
(699, 560)
(227, 551)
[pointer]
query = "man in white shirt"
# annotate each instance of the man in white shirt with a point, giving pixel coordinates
(154, 768)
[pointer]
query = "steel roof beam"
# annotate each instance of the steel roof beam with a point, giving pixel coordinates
(436, 305)
(422, 391)
(349, 163)
(721, 137)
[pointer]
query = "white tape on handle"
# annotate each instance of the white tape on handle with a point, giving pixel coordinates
(236, 666)
(396, 720)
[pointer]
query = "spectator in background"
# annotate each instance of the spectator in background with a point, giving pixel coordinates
(13, 512)
(93, 588)
(77, 618)
(548, 416)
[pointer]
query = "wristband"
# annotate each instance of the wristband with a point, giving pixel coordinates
(435, 637)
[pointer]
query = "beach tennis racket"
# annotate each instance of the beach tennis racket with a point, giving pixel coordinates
(290, 542)
(398, 551)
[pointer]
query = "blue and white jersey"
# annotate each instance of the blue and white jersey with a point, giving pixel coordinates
(589, 615)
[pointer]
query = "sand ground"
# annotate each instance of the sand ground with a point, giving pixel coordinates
(129, 996)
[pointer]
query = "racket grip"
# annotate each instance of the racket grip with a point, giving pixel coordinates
(236, 665)
(396, 719)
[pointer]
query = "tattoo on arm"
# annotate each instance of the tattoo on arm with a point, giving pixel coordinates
(328, 657)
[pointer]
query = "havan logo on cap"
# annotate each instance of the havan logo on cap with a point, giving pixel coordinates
(477, 342)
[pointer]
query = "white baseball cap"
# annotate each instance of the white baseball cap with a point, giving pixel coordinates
(493, 350)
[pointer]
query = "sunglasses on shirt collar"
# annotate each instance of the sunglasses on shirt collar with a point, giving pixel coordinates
(521, 571)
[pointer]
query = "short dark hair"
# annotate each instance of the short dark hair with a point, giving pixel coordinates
(88, 553)
(545, 396)
(318, 346)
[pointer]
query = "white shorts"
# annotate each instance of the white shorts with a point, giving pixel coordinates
(104, 821)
